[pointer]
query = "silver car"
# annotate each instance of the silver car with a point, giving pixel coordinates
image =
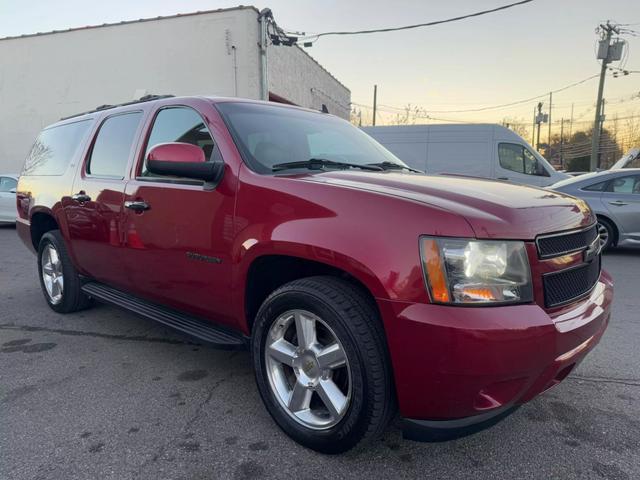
(614, 196)
(8, 183)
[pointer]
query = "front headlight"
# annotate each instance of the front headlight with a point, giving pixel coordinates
(467, 271)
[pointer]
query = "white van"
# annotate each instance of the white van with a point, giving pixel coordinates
(478, 150)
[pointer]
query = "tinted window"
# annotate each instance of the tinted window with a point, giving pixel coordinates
(55, 148)
(625, 185)
(517, 158)
(112, 147)
(7, 184)
(596, 187)
(179, 124)
(268, 134)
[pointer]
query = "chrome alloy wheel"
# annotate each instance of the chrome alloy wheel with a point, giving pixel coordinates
(308, 369)
(52, 273)
(603, 232)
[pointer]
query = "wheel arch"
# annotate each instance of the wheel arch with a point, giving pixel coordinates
(42, 221)
(616, 231)
(269, 271)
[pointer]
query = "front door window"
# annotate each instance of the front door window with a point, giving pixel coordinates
(517, 158)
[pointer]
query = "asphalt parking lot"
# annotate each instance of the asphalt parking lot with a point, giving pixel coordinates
(106, 394)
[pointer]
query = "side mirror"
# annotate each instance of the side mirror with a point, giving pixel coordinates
(183, 160)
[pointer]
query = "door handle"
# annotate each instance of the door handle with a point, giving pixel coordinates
(503, 178)
(137, 206)
(618, 203)
(81, 197)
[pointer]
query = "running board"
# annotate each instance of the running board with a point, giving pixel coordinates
(201, 329)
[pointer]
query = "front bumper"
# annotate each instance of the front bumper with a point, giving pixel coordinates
(456, 367)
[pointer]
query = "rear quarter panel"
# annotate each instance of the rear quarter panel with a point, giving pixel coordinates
(42, 194)
(48, 194)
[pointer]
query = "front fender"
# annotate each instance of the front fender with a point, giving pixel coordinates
(250, 250)
(372, 236)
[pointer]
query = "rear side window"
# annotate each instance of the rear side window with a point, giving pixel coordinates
(55, 148)
(596, 187)
(179, 124)
(112, 147)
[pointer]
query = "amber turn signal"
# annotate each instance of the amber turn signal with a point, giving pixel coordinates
(434, 268)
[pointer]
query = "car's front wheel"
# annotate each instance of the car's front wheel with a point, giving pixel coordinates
(59, 279)
(321, 364)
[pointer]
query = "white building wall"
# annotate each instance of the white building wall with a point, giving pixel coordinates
(45, 77)
(297, 77)
(49, 76)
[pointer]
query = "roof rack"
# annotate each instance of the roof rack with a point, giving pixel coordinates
(145, 98)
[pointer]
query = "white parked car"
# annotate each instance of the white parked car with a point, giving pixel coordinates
(477, 150)
(8, 183)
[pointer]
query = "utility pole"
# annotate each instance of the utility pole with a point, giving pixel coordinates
(540, 118)
(607, 52)
(264, 18)
(375, 103)
(533, 127)
(601, 129)
(562, 142)
(539, 121)
(571, 123)
(549, 132)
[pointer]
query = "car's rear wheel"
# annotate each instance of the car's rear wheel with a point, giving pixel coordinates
(606, 232)
(59, 279)
(321, 364)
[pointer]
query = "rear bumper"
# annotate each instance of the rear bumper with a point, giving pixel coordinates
(470, 366)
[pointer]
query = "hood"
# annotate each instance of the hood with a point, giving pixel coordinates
(494, 209)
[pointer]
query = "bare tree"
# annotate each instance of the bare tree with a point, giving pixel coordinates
(632, 127)
(410, 115)
(518, 125)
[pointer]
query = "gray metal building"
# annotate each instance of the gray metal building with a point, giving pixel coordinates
(46, 76)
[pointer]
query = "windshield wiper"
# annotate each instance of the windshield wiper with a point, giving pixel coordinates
(393, 166)
(320, 163)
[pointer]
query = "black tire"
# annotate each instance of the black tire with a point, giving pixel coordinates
(611, 233)
(356, 323)
(73, 299)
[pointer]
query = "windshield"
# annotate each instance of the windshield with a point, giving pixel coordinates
(269, 135)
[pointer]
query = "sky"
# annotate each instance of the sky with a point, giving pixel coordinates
(498, 58)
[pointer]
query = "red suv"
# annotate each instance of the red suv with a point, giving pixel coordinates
(360, 286)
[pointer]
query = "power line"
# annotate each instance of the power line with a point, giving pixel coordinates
(420, 114)
(495, 107)
(504, 105)
(312, 38)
